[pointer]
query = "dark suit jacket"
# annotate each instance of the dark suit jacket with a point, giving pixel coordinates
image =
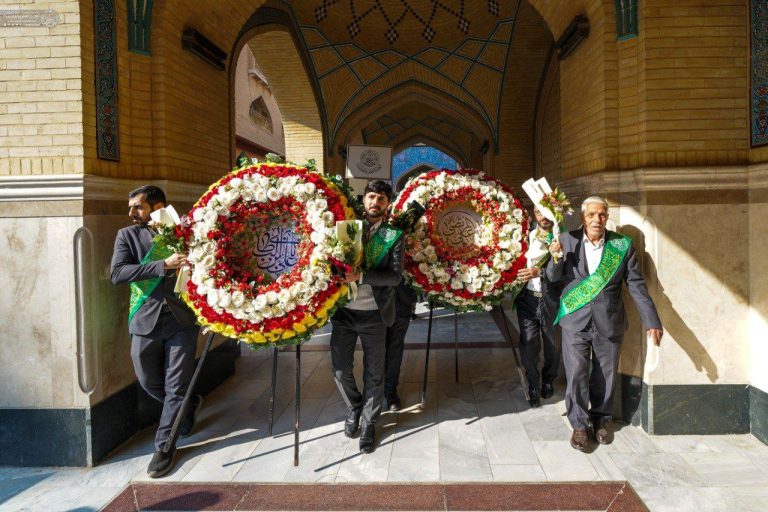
(405, 298)
(607, 308)
(383, 280)
(131, 245)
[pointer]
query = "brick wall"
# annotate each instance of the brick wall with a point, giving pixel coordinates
(547, 131)
(694, 92)
(278, 58)
(41, 120)
(531, 42)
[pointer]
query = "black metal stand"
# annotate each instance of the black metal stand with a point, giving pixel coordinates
(426, 359)
(429, 343)
(298, 408)
(456, 343)
(174, 434)
(272, 394)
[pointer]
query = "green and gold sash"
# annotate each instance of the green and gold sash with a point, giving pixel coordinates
(379, 244)
(577, 297)
(140, 290)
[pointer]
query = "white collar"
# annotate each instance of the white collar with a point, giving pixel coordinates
(599, 244)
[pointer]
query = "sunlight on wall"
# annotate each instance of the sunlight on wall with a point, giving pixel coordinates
(707, 323)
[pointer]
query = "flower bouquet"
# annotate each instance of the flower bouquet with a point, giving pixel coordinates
(553, 204)
(169, 227)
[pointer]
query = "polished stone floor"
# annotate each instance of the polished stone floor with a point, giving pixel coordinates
(479, 429)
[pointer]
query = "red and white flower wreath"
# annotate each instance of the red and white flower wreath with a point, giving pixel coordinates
(225, 292)
(471, 279)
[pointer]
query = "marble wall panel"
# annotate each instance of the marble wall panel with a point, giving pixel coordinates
(25, 323)
(703, 292)
(758, 325)
(59, 272)
(110, 310)
(695, 259)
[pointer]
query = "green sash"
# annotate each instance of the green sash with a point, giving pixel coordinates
(379, 244)
(140, 290)
(613, 254)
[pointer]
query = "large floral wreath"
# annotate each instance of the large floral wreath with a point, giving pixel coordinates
(227, 291)
(475, 273)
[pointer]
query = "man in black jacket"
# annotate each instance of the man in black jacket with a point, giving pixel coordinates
(163, 329)
(368, 317)
(536, 306)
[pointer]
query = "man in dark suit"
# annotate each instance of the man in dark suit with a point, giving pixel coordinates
(592, 263)
(536, 308)
(368, 317)
(163, 329)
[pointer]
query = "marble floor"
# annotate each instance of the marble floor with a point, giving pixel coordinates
(479, 429)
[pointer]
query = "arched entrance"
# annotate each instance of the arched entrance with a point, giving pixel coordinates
(416, 160)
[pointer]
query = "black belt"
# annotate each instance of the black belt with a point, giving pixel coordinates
(538, 295)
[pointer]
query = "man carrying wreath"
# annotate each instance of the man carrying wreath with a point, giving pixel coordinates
(592, 263)
(368, 317)
(163, 329)
(536, 306)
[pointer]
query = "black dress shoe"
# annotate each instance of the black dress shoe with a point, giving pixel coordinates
(188, 424)
(367, 437)
(161, 463)
(352, 422)
(393, 403)
(547, 390)
(533, 397)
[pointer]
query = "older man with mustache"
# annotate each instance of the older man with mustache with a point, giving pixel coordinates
(592, 263)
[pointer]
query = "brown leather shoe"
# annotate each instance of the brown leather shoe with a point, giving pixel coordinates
(580, 439)
(603, 435)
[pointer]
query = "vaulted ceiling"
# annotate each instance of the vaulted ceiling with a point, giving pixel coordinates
(362, 52)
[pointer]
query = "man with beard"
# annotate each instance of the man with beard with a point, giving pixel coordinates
(536, 308)
(163, 329)
(592, 264)
(368, 317)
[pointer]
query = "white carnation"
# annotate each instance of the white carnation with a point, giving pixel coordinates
(259, 302)
(273, 194)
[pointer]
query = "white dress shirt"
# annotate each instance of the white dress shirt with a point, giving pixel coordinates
(594, 252)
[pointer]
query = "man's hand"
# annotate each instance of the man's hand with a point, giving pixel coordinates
(175, 261)
(527, 274)
(555, 249)
(351, 278)
(655, 335)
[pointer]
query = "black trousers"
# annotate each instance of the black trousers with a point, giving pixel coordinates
(348, 325)
(535, 327)
(164, 361)
(591, 361)
(394, 359)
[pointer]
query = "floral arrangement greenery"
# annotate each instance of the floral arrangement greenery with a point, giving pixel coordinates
(464, 277)
(227, 291)
(557, 203)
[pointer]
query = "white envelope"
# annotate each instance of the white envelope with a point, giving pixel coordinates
(166, 216)
(536, 189)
